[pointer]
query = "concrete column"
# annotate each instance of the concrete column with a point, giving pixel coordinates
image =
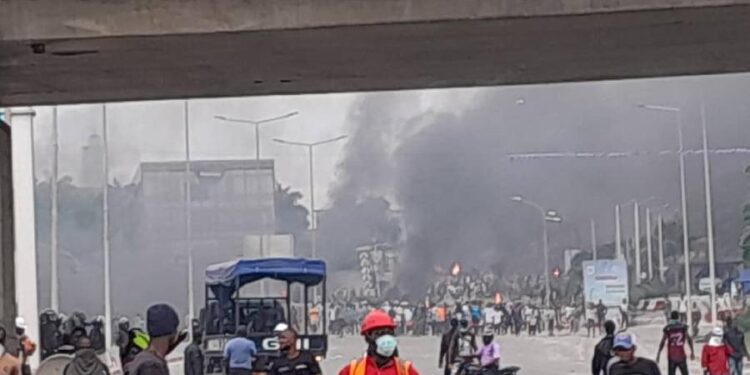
(22, 126)
(7, 276)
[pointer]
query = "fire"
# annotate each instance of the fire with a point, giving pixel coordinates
(456, 269)
(498, 298)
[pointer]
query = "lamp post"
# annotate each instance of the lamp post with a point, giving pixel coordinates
(649, 245)
(660, 235)
(547, 216)
(593, 238)
(54, 220)
(105, 234)
(188, 214)
(310, 146)
(256, 124)
(709, 214)
(683, 199)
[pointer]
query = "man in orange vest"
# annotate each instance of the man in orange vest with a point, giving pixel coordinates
(381, 358)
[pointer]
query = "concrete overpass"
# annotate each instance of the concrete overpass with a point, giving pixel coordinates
(54, 51)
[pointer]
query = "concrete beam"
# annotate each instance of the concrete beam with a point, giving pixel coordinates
(87, 50)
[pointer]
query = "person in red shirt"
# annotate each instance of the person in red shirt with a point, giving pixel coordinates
(381, 358)
(716, 354)
(675, 335)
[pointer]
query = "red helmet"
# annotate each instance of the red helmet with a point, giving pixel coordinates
(376, 319)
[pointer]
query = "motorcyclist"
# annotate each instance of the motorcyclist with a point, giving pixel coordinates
(381, 358)
(489, 353)
(465, 347)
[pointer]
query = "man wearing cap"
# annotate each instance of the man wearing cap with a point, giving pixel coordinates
(381, 357)
(626, 362)
(162, 322)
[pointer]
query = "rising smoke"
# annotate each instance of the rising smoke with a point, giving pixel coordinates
(453, 179)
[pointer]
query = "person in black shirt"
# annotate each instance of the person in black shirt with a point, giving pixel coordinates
(736, 340)
(626, 362)
(193, 356)
(446, 358)
(601, 314)
(292, 360)
(603, 350)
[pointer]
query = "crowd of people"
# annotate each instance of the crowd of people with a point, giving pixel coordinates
(723, 354)
(529, 317)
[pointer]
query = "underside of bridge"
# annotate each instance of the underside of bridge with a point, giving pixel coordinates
(109, 64)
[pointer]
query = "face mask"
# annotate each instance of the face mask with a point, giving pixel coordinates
(487, 340)
(2, 350)
(386, 345)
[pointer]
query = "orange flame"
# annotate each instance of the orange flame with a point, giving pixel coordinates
(456, 269)
(498, 298)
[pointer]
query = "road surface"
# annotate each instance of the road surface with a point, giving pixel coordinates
(563, 354)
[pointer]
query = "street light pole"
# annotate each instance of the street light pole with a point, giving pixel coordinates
(313, 215)
(310, 146)
(649, 245)
(637, 242)
(593, 238)
(256, 124)
(683, 203)
(618, 233)
(661, 248)
(188, 215)
(54, 220)
(546, 216)
(709, 215)
(105, 230)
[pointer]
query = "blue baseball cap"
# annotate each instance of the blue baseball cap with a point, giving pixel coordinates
(623, 340)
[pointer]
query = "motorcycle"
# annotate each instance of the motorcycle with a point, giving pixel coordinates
(474, 368)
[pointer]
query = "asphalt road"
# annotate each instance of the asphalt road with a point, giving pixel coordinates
(542, 355)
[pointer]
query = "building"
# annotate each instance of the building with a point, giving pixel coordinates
(229, 201)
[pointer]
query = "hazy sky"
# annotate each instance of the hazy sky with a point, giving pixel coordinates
(590, 116)
(444, 155)
(154, 131)
(151, 131)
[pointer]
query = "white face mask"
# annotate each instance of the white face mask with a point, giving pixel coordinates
(386, 345)
(2, 350)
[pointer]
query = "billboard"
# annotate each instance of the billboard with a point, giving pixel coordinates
(605, 280)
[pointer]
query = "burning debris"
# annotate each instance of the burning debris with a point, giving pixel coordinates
(456, 269)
